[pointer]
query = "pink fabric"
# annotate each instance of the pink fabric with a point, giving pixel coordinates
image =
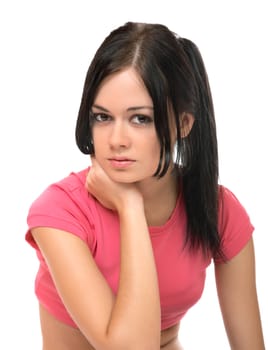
(66, 205)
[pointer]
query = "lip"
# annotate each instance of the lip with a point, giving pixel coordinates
(121, 162)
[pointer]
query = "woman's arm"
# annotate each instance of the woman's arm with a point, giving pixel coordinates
(131, 320)
(238, 300)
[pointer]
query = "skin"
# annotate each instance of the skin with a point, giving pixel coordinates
(121, 179)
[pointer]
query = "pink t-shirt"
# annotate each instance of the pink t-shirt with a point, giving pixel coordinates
(66, 205)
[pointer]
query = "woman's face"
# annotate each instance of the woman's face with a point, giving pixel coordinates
(124, 136)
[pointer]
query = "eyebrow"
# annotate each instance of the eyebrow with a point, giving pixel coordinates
(129, 109)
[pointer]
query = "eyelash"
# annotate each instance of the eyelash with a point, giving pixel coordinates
(97, 118)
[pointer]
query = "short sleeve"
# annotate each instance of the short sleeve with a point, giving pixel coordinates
(235, 227)
(62, 208)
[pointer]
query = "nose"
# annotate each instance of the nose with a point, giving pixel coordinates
(119, 136)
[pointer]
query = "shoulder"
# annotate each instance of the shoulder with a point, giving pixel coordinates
(230, 207)
(65, 205)
(234, 224)
(64, 193)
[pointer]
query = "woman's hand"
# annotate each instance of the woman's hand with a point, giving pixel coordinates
(112, 195)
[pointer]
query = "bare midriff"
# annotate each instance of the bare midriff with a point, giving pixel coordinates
(57, 335)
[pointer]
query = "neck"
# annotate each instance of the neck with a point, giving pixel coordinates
(160, 197)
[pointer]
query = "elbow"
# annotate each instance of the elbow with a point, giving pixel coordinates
(128, 336)
(141, 338)
(129, 345)
(126, 341)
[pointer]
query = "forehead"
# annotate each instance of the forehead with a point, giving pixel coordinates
(124, 87)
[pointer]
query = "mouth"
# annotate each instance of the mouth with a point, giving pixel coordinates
(121, 162)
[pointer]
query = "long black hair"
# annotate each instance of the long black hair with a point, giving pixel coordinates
(174, 74)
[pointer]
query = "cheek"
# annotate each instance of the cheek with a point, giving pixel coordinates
(153, 148)
(99, 143)
(98, 135)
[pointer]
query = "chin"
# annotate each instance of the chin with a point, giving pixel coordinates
(124, 178)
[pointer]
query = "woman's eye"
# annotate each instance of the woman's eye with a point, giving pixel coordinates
(100, 117)
(142, 119)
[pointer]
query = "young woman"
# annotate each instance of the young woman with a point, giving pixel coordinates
(124, 245)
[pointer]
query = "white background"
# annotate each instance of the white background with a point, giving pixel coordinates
(46, 47)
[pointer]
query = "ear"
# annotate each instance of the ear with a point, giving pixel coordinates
(186, 123)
